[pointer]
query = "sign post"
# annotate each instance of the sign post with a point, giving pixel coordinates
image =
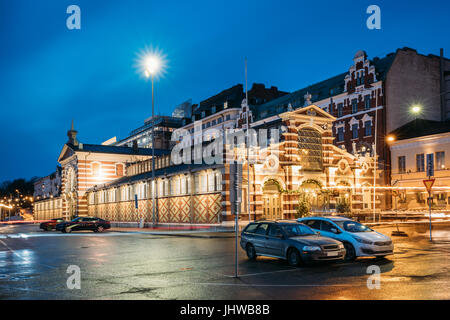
(136, 205)
(429, 184)
(236, 199)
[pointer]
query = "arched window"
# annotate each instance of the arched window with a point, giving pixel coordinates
(310, 145)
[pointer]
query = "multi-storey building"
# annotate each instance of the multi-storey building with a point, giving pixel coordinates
(372, 98)
(415, 147)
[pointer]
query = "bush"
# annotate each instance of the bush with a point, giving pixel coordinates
(302, 209)
(343, 207)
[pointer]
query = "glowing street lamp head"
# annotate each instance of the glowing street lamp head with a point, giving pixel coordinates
(391, 138)
(151, 63)
(416, 109)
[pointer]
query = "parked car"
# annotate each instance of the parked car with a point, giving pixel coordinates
(84, 223)
(289, 240)
(51, 224)
(358, 239)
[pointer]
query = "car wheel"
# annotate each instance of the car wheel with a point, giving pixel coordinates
(293, 257)
(350, 254)
(67, 229)
(99, 229)
(251, 252)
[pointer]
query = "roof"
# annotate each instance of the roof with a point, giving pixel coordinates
(319, 91)
(419, 128)
(163, 172)
(97, 148)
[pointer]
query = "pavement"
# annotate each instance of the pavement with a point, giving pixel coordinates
(134, 265)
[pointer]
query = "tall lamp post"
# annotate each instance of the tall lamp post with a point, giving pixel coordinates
(152, 65)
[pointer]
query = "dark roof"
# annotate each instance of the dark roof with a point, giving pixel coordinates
(97, 148)
(419, 128)
(319, 91)
(158, 173)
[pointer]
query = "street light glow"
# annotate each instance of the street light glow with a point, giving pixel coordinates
(151, 63)
(391, 138)
(416, 109)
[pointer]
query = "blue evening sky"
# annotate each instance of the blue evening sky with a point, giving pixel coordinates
(49, 74)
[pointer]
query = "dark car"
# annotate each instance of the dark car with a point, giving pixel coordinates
(289, 240)
(51, 224)
(84, 223)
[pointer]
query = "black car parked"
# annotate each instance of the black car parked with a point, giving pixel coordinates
(84, 223)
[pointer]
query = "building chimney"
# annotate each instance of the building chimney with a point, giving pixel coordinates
(72, 134)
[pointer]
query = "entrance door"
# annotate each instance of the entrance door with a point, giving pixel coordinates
(272, 202)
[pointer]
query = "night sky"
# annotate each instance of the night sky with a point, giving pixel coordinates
(49, 74)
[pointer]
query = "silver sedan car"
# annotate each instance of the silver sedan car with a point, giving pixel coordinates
(289, 240)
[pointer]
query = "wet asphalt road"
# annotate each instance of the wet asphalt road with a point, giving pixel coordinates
(33, 265)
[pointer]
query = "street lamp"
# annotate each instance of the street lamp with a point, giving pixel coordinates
(152, 63)
(416, 109)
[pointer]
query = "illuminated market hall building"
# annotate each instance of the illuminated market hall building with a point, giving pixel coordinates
(330, 150)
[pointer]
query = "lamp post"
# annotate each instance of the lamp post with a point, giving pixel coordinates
(152, 65)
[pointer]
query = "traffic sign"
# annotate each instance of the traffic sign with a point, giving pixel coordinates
(428, 184)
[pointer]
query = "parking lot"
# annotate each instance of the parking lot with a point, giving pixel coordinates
(125, 265)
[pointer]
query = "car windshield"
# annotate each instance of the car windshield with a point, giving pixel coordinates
(76, 219)
(294, 230)
(353, 226)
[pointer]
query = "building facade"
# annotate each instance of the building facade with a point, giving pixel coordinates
(416, 146)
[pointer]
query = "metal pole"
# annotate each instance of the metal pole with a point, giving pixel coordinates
(153, 154)
(375, 165)
(429, 205)
(236, 226)
(248, 145)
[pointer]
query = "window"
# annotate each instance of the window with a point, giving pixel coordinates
(310, 145)
(340, 108)
(368, 128)
(420, 162)
(326, 226)
(340, 134)
(213, 109)
(262, 229)
(315, 224)
(355, 131)
(251, 227)
(440, 160)
(119, 170)
(354, 106)
(401, 164)
(367, 102)
(96, 169)
(275, 231)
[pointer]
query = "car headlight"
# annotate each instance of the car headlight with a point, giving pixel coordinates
(311, 248)
(362, 240)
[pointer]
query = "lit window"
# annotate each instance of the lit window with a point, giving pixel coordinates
(440, 160)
